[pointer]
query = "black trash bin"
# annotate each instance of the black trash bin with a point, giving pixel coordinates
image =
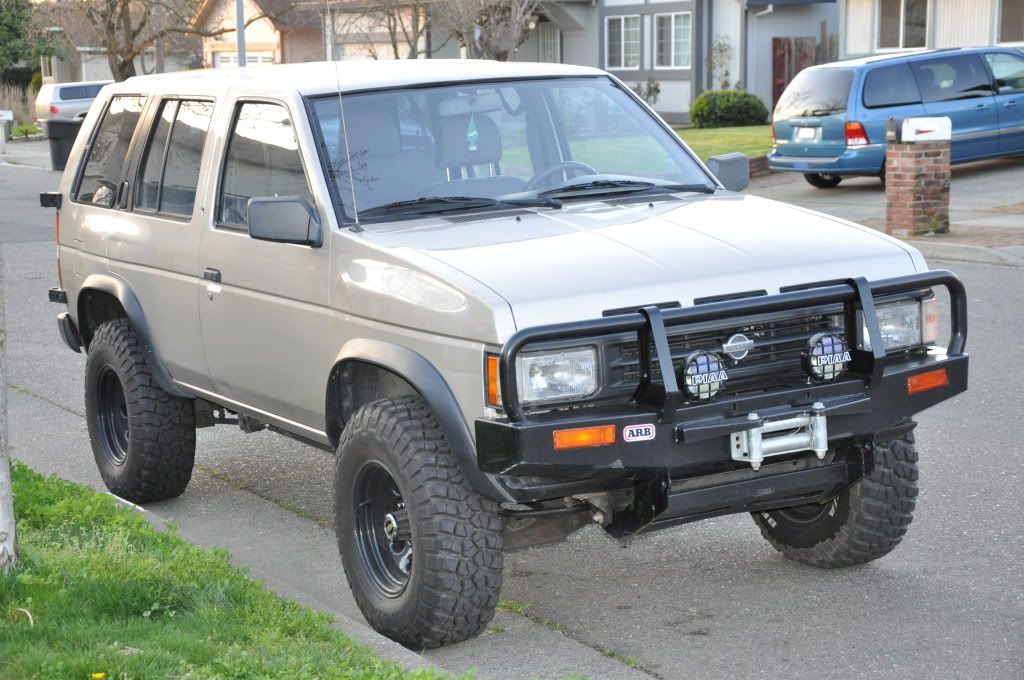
(61, 133)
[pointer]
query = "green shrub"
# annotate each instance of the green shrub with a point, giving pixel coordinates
(724, 108)
(24, 131)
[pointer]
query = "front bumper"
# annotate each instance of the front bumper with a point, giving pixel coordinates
(695, 439)
(865, 160)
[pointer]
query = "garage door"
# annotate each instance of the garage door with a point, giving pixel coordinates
(230, 59)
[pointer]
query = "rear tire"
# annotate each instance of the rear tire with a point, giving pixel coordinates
(143, 439)
(822, 180)
(864, 523)
(422, 550)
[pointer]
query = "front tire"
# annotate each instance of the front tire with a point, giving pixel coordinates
(822, 180)
(862, 524)
(143, 439)
(422, 550)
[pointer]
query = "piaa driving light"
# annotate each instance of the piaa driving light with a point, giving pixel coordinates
(552, 376)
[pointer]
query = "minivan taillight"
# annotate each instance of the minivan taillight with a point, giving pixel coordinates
(855, 135)
(54, 110)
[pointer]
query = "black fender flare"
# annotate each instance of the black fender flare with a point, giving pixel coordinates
(119, 289)
(422, 376)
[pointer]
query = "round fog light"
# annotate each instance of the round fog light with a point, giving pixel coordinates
(826, 356)
(703, 375)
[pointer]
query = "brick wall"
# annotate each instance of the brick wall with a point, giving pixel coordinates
(917, 189)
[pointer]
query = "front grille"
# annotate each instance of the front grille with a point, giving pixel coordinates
(773, 363)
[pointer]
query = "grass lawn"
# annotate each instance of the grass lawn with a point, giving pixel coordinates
(753, 140)
(101, 594)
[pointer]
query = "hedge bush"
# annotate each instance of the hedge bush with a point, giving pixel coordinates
(727, 108)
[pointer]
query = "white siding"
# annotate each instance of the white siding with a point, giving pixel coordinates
(962, 23)
(674, 97)
(858, 27)
(727, 24)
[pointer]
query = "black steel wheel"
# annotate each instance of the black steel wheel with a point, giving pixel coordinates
(112, 416)
(143, 439)
(863, 523)
(383, 537)
(422, 550)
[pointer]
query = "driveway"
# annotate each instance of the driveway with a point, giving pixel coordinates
(707, 600)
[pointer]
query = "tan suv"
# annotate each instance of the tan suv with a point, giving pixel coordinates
(509, 298)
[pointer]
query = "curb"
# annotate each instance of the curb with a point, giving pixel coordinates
(962, 252)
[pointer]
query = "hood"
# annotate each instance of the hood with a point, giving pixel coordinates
(563, 265)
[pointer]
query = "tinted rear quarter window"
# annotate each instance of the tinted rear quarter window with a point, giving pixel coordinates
(108, 150)
(815, 92)
(890, 86)
(952, 78)
(76, 92)
(170, 170)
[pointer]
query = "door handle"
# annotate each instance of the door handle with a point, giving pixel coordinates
(1012, 104)
(211, 274)
(982, 107)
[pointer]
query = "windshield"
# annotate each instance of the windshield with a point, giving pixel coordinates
(815, 92)
(436, 149)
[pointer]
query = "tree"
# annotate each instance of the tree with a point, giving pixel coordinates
(125, 29)
(16, 35)
(490, 29)
(8, 537)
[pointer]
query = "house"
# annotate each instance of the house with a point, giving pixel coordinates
(287, 32)
(874, 26)
(79, 57)
(686, 46)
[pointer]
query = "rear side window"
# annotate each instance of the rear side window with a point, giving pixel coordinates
(262, 160)
(91, 91)
(954, 77)
(76, 92)
(890, 86)
(815, 92)
(106, 155)
(170, 168)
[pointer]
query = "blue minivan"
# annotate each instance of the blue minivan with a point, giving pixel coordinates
(830, 121)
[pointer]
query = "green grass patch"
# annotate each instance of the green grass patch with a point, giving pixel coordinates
(513, 606)
(25, 131)
(98, 590)
(753, 140)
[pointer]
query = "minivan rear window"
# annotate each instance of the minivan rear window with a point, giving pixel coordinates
(891, 86)
(815, 92)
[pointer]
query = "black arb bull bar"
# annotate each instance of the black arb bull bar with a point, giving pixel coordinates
(693, 438)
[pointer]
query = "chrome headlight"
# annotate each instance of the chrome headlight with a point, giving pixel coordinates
(559, 375)
(903, 324)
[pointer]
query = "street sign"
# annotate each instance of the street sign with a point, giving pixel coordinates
(6, 116)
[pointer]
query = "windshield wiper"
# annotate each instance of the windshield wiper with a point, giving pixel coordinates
(629, 186)
(426, 205)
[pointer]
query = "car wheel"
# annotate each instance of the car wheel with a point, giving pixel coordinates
(143, 439)
(822, 180)
(864, 523)
(422, 550)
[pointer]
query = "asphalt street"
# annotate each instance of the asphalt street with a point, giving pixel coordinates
(707, 600)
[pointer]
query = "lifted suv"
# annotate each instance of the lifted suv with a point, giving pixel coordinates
(510, 300)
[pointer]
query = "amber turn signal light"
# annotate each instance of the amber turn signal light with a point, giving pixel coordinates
(580, 437)
(493, 387)
(928, 380)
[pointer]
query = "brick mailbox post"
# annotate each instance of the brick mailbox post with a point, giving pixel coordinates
(917, 177)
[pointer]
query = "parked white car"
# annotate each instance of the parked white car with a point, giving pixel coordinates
(67, 100)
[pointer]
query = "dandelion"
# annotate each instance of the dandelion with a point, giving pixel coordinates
(97, 676)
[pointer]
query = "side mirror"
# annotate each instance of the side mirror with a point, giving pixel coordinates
(732, 170)
(284, 219)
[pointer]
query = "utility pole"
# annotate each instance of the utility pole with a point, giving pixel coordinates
(240, 31)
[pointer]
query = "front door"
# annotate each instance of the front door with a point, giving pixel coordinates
(264, 307)
(959, 86)
(1008, 71)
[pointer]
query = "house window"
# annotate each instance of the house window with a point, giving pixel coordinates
(550, 42)
(622, 42)
(902, 24)
(672, 40)
(1011, 21)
